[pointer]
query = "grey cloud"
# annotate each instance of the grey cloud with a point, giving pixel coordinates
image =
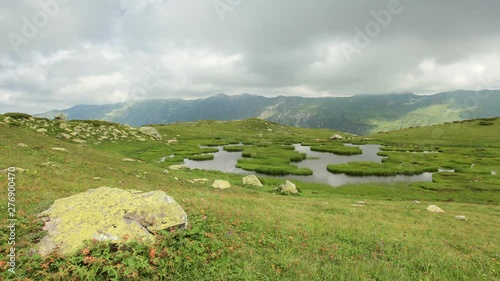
(100, 51)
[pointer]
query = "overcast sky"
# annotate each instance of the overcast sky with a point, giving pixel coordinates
(58, 53)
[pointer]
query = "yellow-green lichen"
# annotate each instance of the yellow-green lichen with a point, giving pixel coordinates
(108, 214)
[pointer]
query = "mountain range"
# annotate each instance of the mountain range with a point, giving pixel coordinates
(361, 114)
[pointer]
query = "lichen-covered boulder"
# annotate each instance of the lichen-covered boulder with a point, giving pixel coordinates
(108, 213)
(150, 131)
(252, 180)
(287, 188)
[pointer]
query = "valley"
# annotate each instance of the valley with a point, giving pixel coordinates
(372, 230)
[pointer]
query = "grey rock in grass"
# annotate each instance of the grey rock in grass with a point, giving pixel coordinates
(150, 131)
(336, 137)
(252, 180)
(435, 209)
(129, 160)
(221, 184)
(202, 180)
(59, 149)
(461, 218)
(177, 167)
(64, 136)
(107, 213)
(41, 130)
(79, 141)
(287, 188)
(22, 145)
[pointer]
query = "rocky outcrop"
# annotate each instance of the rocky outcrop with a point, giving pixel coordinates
(89, 131)
(150, 131)
(108, 214)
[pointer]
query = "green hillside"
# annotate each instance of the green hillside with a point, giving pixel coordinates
(362, 115)
(252, 233)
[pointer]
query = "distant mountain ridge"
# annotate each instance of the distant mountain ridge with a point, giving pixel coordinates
(360, 114)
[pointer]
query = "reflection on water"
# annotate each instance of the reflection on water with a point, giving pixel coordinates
(225, 162)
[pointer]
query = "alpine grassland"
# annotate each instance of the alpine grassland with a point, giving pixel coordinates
(254, 233)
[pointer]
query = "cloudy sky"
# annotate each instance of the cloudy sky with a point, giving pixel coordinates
(58, 53)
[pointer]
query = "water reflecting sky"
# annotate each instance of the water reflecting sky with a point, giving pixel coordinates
(225, 162)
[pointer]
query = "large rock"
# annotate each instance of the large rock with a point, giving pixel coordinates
(221, 184)
(150, 131)
(434, 209)
(252, 180)
(287, 188)
(108, 214)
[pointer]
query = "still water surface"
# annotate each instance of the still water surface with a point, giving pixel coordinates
(225, 162)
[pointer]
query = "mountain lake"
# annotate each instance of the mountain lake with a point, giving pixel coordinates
(316, 161)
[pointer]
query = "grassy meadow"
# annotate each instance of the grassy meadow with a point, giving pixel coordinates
(251, 233)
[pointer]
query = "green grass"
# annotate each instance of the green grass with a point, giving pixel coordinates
(247, 233)
(272, 166)
(337, 149)
(377, 169)
(202, 157)
(234, 148)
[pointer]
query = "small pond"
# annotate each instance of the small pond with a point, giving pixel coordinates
(225, 162)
